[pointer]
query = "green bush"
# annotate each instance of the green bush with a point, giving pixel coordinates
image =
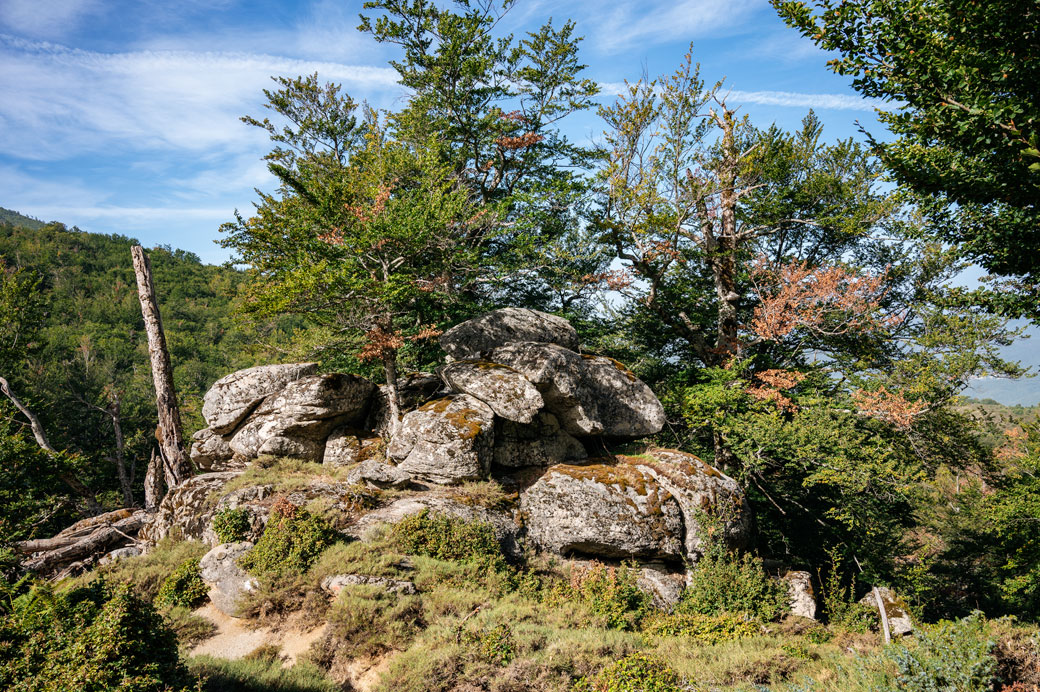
(496, 645)
(184, 587)
(95, 638)
(231, 525)
(707, 629)
(448, 538)
(723, 582)
(611, 592)
(948, 657)
(292, 541)
(634, 673)
(842, 610)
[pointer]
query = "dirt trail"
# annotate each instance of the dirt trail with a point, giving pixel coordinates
(236, 639)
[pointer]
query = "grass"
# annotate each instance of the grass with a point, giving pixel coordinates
(261, 671)
(147, 572)
(284, 475)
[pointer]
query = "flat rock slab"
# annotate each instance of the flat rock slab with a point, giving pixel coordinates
(335, 583)
(233, 397)
(378, 475)
(446, 441)
(473, 338)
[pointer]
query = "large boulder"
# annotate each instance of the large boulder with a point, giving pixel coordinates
(446, 441)
(600, 510)
(233, 397)
(473, 338)
(800, 594)
(413, 390)
(296, 421)
(227, 581)
(211, 452)
(698, 488)
(186, 510)
(347, 446)
(378, 474)
(899, 622)
(589, 395)
(509, 394)
(539, 443)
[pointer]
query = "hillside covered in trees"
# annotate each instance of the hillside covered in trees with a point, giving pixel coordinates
(478, 407)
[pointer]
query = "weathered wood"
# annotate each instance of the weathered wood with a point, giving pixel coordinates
(99, 541)
(41, 439)
(178, 467)
(153, 483)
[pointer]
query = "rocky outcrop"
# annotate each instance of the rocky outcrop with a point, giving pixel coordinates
(379, 475)
(186, 510)
(475, 337)
(227, 581)
(211, 452)
(611, 511)
(446, 441)
(539, 443)
(509, 394)
(232, 398)
(296, 421)
(333, 584)
(588, 395)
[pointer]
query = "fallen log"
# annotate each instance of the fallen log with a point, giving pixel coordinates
(59, 552)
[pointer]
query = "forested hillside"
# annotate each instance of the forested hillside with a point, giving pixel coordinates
(83, 368)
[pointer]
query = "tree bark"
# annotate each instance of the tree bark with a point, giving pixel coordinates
(393, 396)
(153, 483)
(41, 439)
(177, 466)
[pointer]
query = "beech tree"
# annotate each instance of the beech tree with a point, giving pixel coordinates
(377, 246)
(958, 78)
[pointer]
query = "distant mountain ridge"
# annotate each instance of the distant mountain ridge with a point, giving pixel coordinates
(17, 219)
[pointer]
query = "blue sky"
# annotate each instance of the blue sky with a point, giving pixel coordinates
(123, 116)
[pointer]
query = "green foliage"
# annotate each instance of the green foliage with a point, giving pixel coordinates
(446, 537)
(496, 645)
(612, 593)
(147, 573)
(948, 657)
(634, 673)
(967, 130)
(292, 541)
(705, 629)
(724, 582)
(94, 638)
(843, 611)
(231, 524)
(259, 674)
(184, 587)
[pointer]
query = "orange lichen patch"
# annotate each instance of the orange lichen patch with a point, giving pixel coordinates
(465, 420)
(606, 474)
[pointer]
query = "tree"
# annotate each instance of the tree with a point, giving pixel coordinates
(375, 246)
(790, 311)
(495, 103)
(961, 77)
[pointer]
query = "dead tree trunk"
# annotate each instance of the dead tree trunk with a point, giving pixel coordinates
(41, 439)
(177, 467)
(153, 483)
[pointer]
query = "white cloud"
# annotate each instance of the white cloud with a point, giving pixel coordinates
(844, 102)
(655, 21)
(47, 19)
(61, 101)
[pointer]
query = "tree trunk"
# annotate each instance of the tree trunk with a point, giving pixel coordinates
(723, 255)
(392, 395)
(153, 483)
(41, 439)
(124, 477)
(177, 466)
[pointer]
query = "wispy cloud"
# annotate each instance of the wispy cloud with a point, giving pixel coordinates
(625, 24)
(61, 101)
(793, 99)
(49, 19)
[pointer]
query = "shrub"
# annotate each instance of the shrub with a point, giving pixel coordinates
(634, 673)
(231, 525)
(707, 629)
(723, 582)
(843, 611)
(259, 674)
(448, 538)
(292, 541)
(611, 592)
(90, 638)
(184, 587)
(496, 645)
(949, 657)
